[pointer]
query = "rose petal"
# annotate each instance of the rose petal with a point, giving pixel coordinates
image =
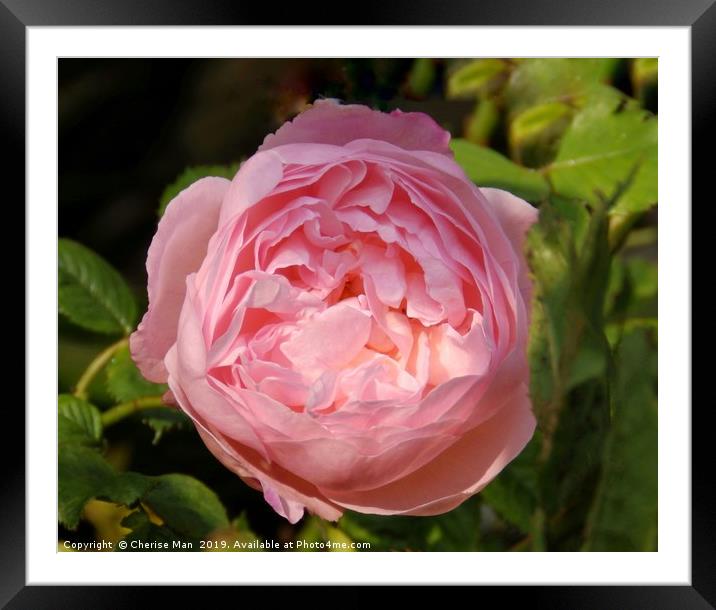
(290, 509)
(331, 339)
(307, 378)
(387, 272)
(516, 216)
(287, 487)
(328, 122)
(455, 355)
(459, 472)
(256, 178)
(178, 248)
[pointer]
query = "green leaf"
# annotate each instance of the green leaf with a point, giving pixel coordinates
(125, 382)
(477, 77)
(603, 99)
(624, 514)
(485, 167)
(542, 80)
(551, 251)
(570, 365)
(91, 293)
(562, 255)
(191, 175)
(78, 421)
(568, 479)
(513, 493)
(83, 474)
(162, 420)
(576, 220)
(600, 150)
(186, 505)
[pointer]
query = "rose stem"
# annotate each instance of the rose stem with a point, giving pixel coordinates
(125, 409)
(95, 367)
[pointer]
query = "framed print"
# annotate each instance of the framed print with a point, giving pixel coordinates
(387, 290)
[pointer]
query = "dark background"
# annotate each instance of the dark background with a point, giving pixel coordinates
(128, 127)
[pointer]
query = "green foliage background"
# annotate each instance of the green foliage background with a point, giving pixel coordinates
(578, 139)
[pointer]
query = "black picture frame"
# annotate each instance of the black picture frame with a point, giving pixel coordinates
(699, 15)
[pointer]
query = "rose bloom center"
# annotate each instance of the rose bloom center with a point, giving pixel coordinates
(347, 294)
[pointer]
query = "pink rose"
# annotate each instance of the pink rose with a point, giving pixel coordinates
(346, 320)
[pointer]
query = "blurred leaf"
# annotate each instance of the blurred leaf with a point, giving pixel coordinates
(589, 362)
(477, 77)
(163, 419)
(550, 248)
(191, 175)
(542, 80)
(83, 474)
(186, 505)
(569, 478)
(125, 382)
(482, 122)
(600, 150)
(78, 421)
(624, 514)
(91, 293)
(616, 331)
(421, 77)
(576, 218)
(633, 292)
(543, 357)
(513, 493)
(485, 167)
(570, 365)
(457, 530)
(535, 133)
(644, 277)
